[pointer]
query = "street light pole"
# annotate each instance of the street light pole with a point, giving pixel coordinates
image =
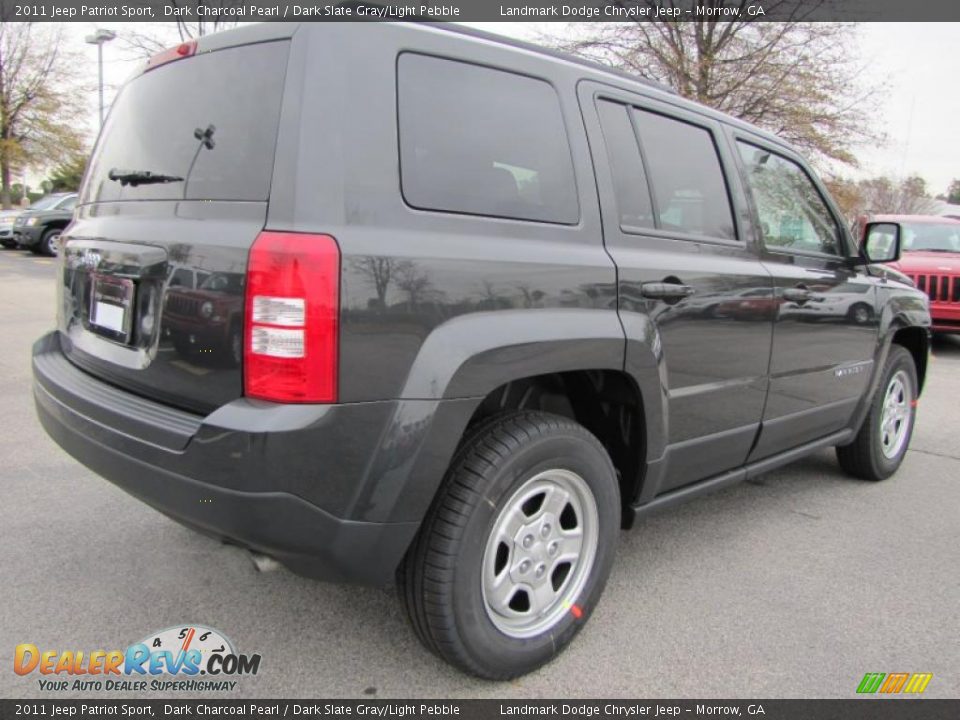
(99, 38)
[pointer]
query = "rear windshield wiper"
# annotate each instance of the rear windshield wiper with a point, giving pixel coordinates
(140, 177)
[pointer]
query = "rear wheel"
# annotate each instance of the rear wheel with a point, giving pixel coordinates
(879, 447)
(515, 552)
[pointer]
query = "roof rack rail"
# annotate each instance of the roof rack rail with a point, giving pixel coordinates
(559, 54)
(520, 45)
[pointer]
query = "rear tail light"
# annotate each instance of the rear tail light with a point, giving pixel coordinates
(292, 309)
(183, 50)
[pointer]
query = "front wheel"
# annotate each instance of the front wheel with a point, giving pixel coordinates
(879, 447)
(50, 242)
(860, 314)
(516, 550)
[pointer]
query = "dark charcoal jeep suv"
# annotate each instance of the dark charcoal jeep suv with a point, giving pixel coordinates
(38, 228)
(494, 305)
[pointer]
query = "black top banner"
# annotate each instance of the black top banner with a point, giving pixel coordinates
(480, 10)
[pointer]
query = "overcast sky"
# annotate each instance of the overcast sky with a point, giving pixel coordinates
(917, 63)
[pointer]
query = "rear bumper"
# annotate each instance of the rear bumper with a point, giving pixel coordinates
(227, 479)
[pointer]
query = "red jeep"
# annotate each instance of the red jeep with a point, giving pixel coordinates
(207, 321)
(931, 258)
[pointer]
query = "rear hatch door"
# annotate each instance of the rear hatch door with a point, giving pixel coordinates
(151, 294)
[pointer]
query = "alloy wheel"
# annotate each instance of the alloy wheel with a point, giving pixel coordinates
(539, 554)
(895, 416)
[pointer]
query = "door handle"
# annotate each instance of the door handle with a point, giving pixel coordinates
(798, 294)
(665, 291)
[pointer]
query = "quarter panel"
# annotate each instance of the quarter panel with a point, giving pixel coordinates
(407, 274)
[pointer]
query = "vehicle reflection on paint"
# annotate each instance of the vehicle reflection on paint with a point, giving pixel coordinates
(205, 323)
(847, 303)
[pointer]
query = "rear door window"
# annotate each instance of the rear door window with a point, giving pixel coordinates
(689, 190)
(626, 166)
(481, 141)
(210, 119)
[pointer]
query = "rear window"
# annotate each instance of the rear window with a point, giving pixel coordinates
(483, 142)
(210, 119)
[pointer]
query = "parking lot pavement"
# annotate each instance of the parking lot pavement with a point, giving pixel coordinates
(16, 264)
(793, 585)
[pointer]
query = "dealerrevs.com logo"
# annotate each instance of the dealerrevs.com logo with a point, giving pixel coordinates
(187, 658)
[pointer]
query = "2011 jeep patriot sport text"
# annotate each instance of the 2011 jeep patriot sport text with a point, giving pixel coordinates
(405, 301)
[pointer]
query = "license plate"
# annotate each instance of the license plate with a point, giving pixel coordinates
(111, 307)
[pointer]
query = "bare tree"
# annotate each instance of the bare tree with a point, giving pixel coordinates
(417, 285)
(380, 272)
(147, 39)
(38, 108)
(847, 194)
(882, 195)
(907, 196)
(953, 192)
(797, 79)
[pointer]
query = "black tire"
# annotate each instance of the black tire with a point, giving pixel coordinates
(439, 581)
(864, 457)
(49, 243)
(860, 314)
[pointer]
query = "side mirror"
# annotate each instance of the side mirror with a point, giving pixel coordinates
(881, 242)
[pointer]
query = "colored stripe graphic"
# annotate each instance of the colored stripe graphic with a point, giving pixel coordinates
(913, 683)
(871, 682)
(918, 682)
(895, 681)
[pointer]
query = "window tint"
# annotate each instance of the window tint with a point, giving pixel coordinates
(158, 122)
(932, 237)
(688, 184)
(792, 213)
(44, 203)
(182, 277)
(484, 142)
(626, 165)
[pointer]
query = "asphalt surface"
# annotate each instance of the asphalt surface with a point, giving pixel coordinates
(793, 585)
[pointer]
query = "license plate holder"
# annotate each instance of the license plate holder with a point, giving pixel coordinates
(111, 307)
